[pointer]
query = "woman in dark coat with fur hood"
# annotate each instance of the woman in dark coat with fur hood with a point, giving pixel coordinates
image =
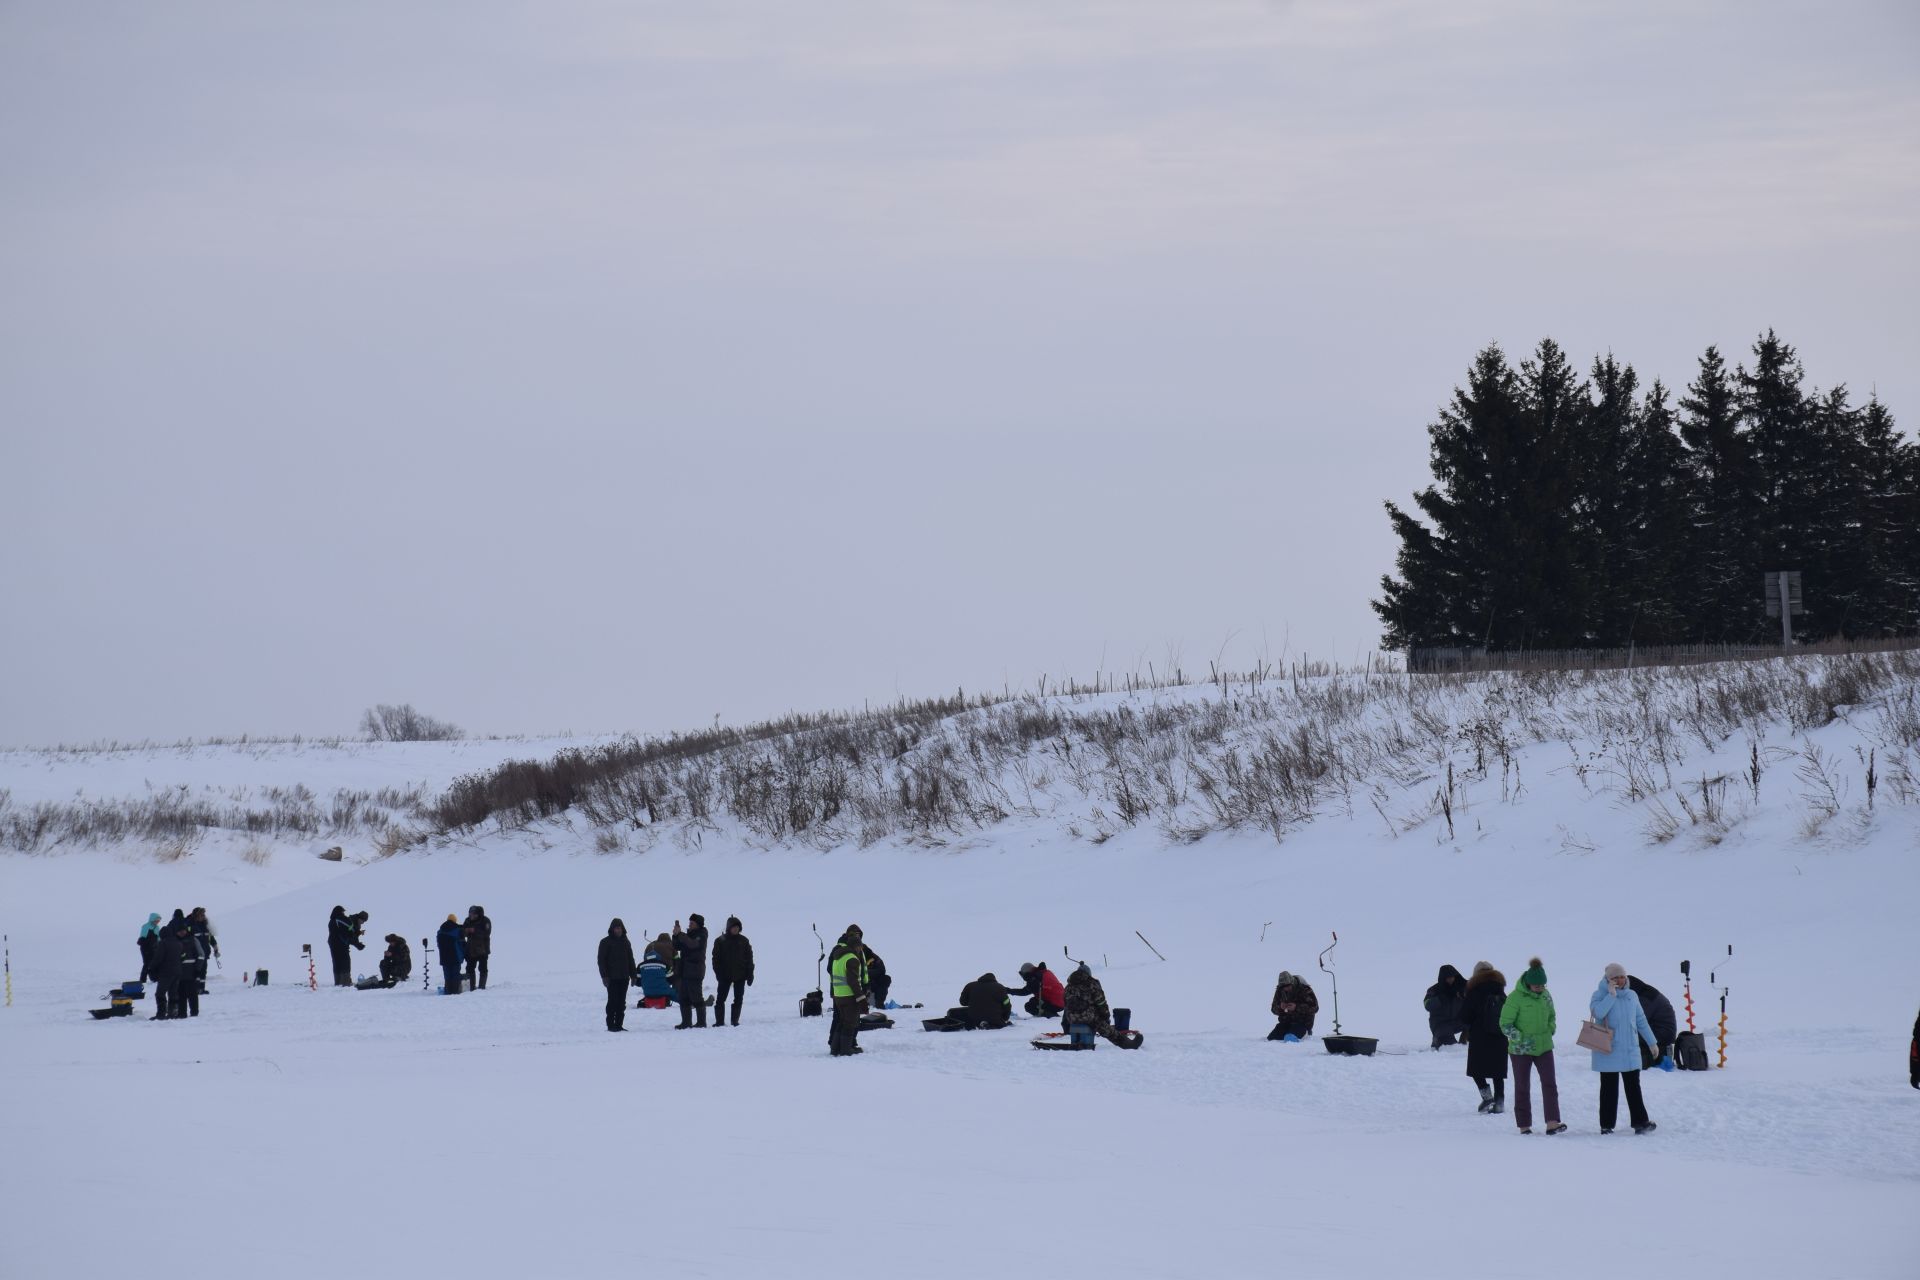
(1486, 1043)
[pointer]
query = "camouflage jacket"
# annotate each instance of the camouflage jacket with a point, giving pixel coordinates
(1086, 1001)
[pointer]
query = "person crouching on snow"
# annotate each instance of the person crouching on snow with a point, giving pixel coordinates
(396, 963)
(1086, 1006)
(1294, 1006)
(1048, 998)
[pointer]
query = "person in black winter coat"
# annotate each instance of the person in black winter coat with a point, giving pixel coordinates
(1443, 1007)
(1486, 1043)
(452, 944)
(732, 970)
(339, 946)
(180, 956)
(984, 1003)
(1660, 1016)
(690, 970)
(209, 943)
(879, 981)
(173, 953)
(1913, 1055)
(476, 935)
(396, 963)
(616, 972)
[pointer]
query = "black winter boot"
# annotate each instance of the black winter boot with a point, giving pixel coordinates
(1499, 1098)
(1486, 1098)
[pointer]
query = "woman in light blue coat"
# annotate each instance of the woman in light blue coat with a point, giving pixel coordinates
(1617, 1008)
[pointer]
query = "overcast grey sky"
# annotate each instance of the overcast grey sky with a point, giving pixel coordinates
(617, 365)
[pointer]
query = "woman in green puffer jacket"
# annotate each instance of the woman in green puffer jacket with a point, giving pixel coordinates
(1527, 1020)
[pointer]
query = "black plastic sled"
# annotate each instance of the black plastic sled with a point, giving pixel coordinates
(874, 1022)
(374, 984)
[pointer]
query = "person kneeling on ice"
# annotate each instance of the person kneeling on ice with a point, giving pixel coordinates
(1616, 1007)
(396, 963)
(453, 951)
(1294, 1006)
(1046, 997)
(1086, 1012)
(984, 1003)
(879, 981)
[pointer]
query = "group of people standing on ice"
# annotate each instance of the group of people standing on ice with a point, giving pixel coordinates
(464, 946)
(673, 968)
(173, 957)
(1502, 1028)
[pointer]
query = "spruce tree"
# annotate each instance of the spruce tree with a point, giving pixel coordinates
(1493, 562)
(1659, 543)
(1721, 603)
(1444, 592)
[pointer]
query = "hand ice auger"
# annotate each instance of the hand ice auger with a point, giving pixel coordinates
(1328, 970)
(1686, 975)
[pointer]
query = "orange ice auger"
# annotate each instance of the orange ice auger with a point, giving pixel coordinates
(1686, 975)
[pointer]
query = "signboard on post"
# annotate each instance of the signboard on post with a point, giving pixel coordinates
(1783, 601)
(1776, 591)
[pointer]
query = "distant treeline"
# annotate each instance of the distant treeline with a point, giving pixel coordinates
(1572, 513)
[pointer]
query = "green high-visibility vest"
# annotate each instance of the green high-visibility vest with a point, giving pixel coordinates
(846, 973)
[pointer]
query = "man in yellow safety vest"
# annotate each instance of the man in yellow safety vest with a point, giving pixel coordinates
(848, 967)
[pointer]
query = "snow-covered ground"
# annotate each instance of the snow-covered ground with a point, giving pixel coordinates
(289, 1132)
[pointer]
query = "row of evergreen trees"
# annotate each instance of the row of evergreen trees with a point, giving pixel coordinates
(1571, 513)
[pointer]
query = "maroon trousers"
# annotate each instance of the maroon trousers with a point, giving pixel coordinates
(1523, 1065)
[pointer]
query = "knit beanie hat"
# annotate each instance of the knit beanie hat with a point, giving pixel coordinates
(1480, 967)
(1616, 971)
(1535, 976)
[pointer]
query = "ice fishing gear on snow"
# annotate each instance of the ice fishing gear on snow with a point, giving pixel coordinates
(1150, 946)
(1350, 1046)
(313, 975)
(1713, 979)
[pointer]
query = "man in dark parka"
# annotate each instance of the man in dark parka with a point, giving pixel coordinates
(396, 964)
(984, 1003)
(1294, 1006)
(690, 970)
(451, 940)
(169, 956)
(616, 972)
(341, 937)
(1443, 1007)
(732, 970)
(477, 935)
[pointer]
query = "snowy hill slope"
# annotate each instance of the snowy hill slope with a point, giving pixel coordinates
(1592, 819)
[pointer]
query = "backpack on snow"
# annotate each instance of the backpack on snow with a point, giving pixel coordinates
(1690, 1051)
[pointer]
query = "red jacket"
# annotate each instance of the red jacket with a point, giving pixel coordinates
(1052, 994)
